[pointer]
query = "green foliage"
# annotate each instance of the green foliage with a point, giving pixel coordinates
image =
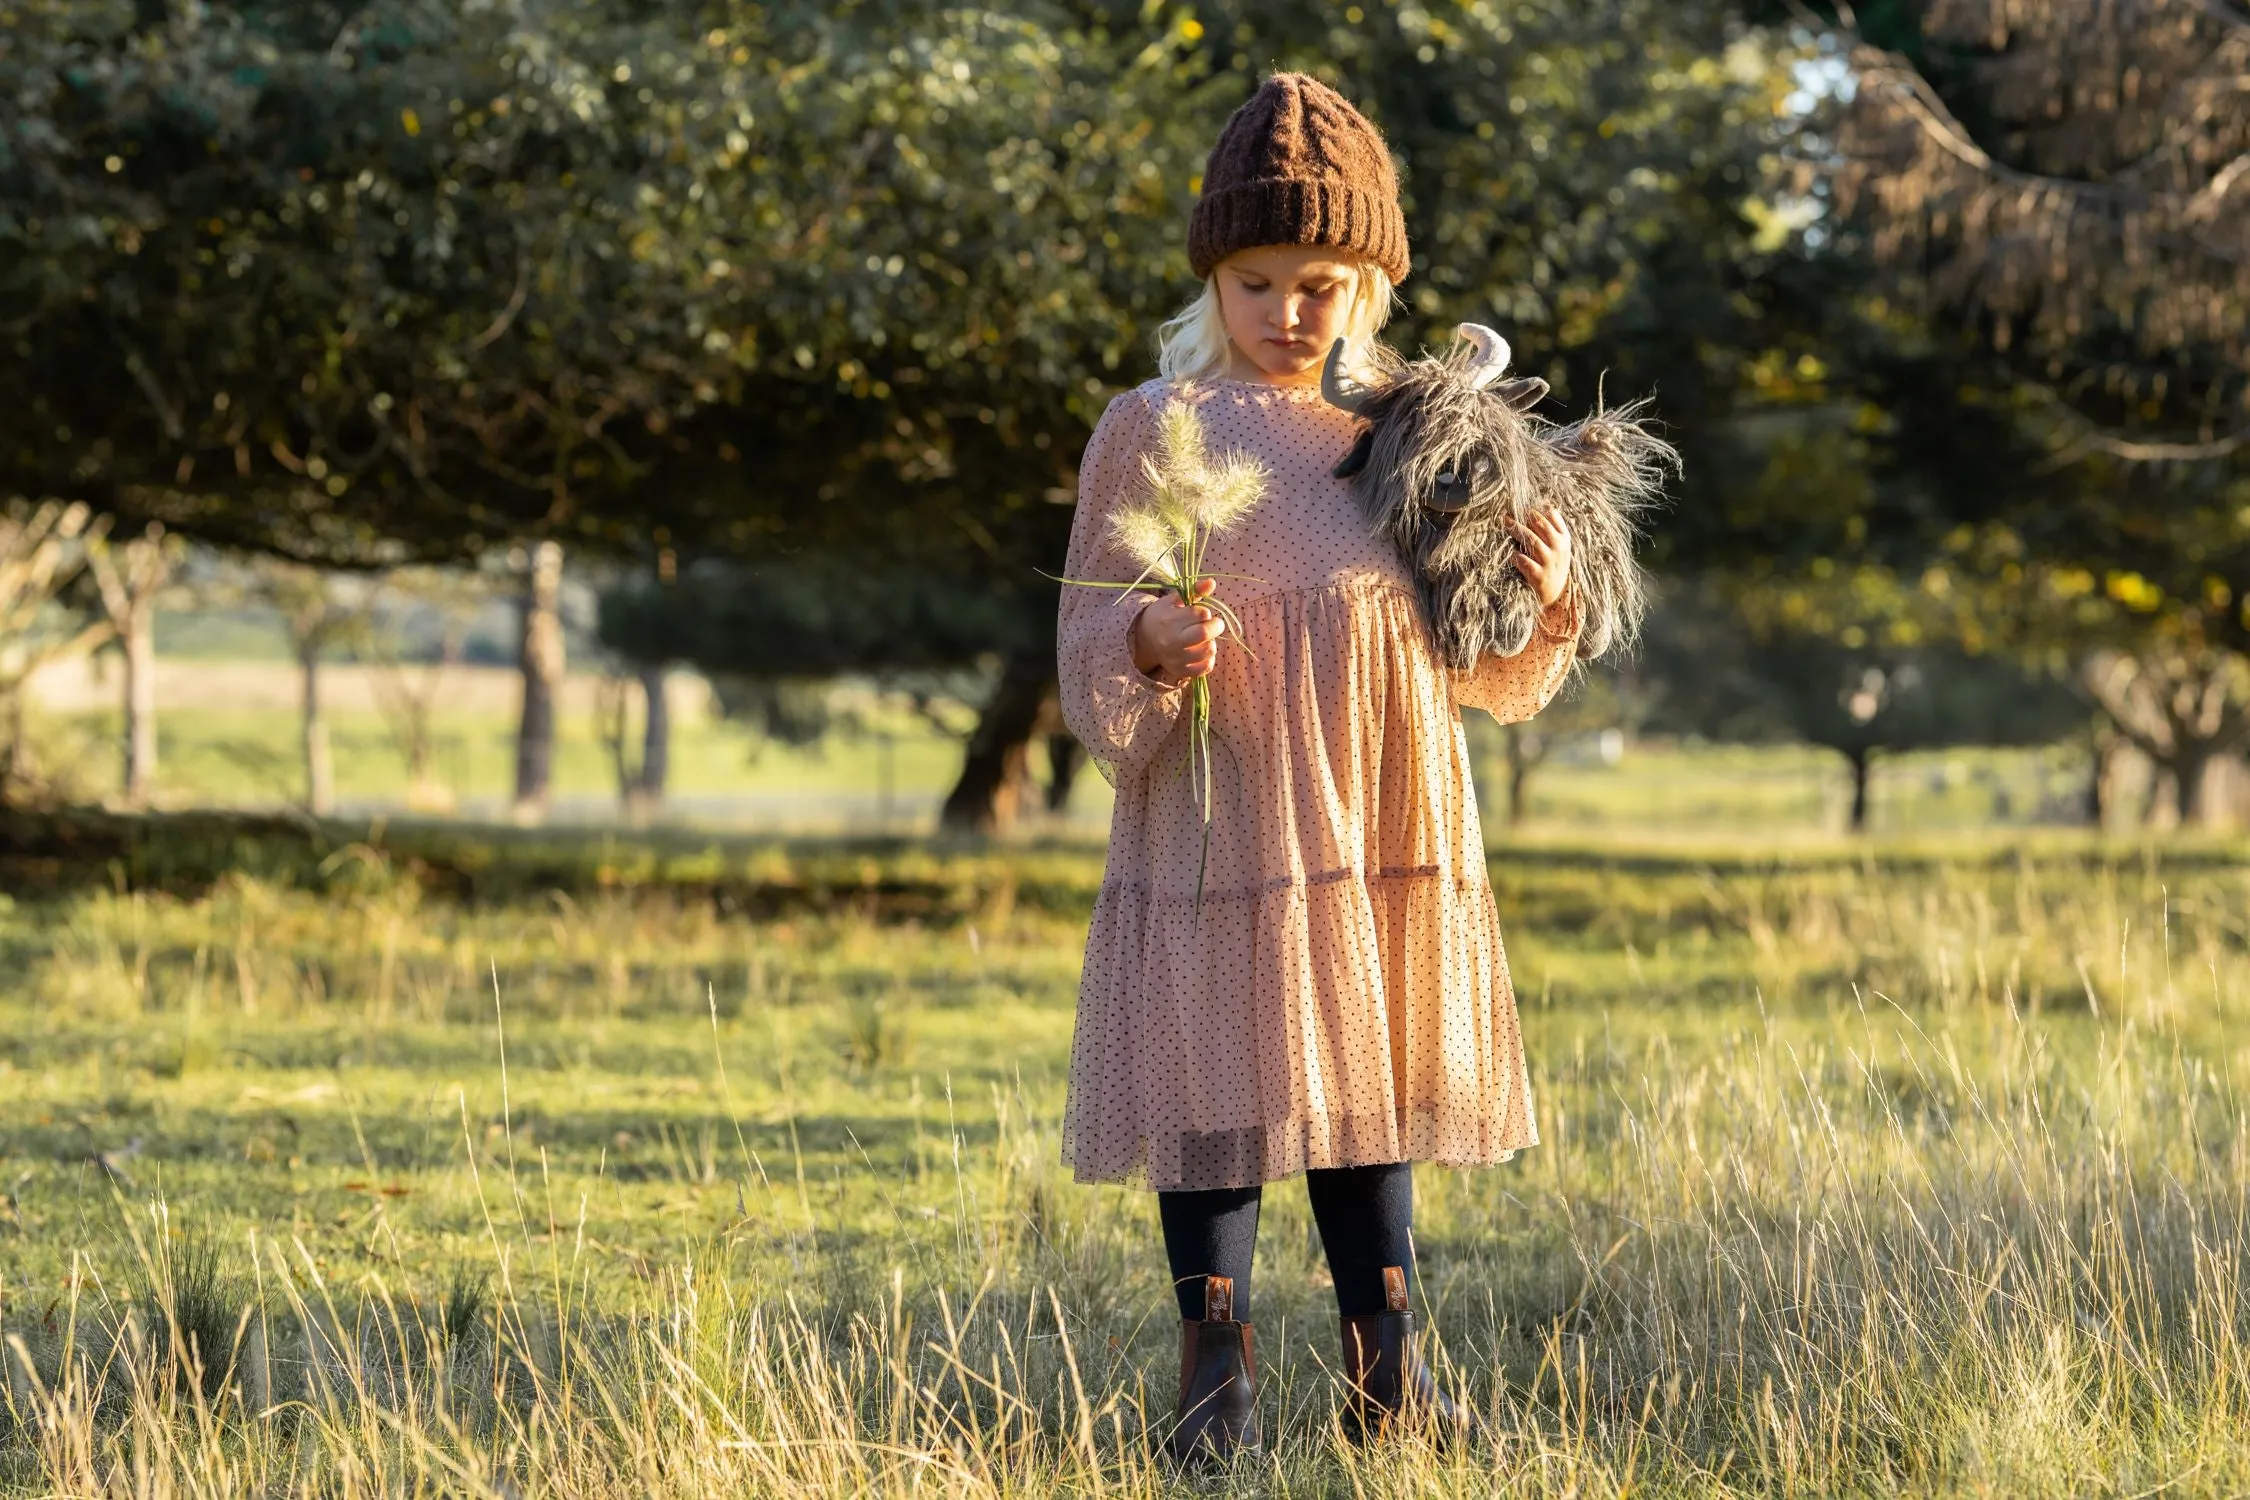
(431, 277)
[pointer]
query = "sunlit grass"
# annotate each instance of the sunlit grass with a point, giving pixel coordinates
(1919, 1172)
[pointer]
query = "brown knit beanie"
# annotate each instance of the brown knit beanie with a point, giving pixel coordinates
(1297, 165)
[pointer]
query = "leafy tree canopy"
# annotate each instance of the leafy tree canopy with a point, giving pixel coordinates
(327, 279)
(330, 280)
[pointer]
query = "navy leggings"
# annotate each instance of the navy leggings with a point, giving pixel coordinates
(1366, 1220)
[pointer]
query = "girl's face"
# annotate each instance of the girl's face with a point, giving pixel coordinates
(1283, 306)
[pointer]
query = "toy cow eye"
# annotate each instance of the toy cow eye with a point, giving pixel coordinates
(1456, 486)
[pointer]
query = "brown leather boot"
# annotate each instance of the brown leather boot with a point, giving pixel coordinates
(1218, 1415)
(1387, 1386)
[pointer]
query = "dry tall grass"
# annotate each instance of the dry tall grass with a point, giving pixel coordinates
(1948, 1197)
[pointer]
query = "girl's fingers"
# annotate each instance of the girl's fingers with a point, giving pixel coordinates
(1209, 628)
(1191, 629)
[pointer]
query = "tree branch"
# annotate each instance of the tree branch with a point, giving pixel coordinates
(2212, 194)
(507, 316)
(137, 367)
(2139, 451)
(1928, 111)
(2223, 13)
(116, 596)
(1905, 83)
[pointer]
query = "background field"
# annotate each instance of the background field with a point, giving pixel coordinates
(228, 737)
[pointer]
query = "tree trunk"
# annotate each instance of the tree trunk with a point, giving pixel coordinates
(613, 713)
(2183, 712)
(320, 770)
(2195, 790)
(1064, 758)
(137, 637)
(1861, 761)
(997, 768)
(2160, 802)
(1526, 750)
(886, 780)
(128, 579)
(2101, 777)
(19, 766)
(656, 741)
(542, 663)
(656, 735)
(420, 791)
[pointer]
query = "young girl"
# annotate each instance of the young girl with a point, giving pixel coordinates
(1340, 1005)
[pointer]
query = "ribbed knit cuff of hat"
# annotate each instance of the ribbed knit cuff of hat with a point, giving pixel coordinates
(1297, 211)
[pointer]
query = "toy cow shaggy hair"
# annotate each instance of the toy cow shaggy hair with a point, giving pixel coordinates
(1453, 458)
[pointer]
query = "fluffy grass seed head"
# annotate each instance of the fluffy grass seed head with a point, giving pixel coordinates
(1187, 486)
(1144, 534)
(1230, 487)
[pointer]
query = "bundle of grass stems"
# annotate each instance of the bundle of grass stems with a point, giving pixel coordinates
(1192, 497)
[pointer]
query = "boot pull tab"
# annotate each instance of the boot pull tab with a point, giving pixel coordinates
(1394, 1288)
(1218, 1299)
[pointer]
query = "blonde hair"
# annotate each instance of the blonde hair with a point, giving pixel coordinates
(1193, 345)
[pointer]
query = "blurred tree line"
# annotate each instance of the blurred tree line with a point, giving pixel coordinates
(793, 318)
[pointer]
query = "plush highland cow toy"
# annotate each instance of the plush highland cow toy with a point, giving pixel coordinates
(1453, 457)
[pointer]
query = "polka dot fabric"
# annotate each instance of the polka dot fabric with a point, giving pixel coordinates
(1343, 999)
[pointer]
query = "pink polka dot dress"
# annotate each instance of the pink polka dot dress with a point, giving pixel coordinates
(1343, 999)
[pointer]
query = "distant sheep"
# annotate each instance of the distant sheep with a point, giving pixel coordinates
(1453, 458)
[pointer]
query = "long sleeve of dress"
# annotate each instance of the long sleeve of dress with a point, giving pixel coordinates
(1513, 688)
(1118, 712)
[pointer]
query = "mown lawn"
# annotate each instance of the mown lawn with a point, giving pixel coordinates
(732, 1169)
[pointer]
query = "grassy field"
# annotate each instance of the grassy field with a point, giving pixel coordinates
(732, 1169)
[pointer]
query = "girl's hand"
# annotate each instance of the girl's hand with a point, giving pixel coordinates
(1544, 556)
(1175, 641)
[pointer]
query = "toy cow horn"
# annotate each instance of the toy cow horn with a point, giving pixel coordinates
(1488, 357)
(1339, 389)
